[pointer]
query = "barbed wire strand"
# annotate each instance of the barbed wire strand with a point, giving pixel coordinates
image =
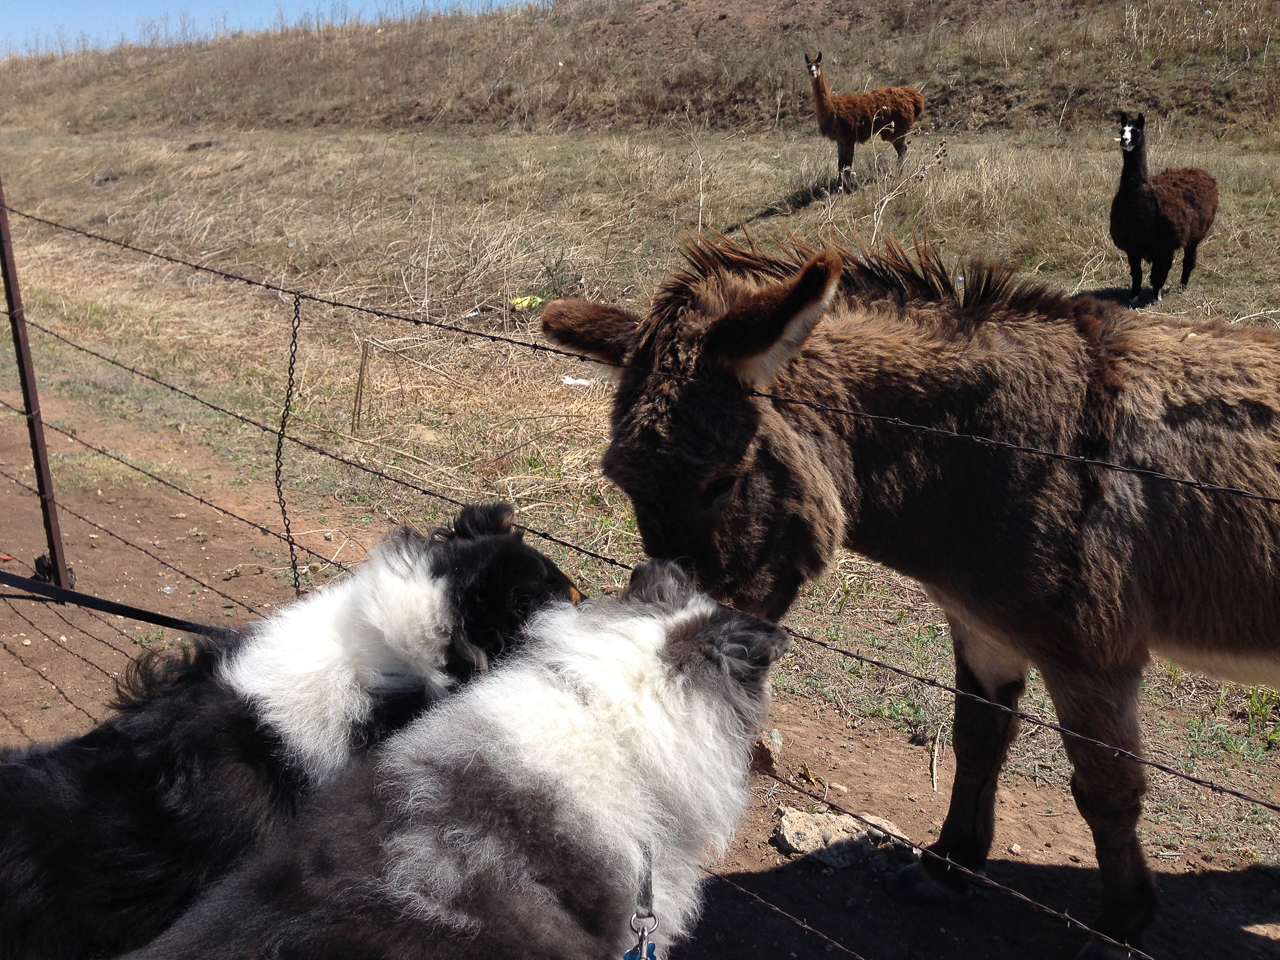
(970, 875)
(52, 606)
(284, 423)
(833, 944)
(1031, 718)
(425, 491)
(1209, 784)
(45, 634)
(62, 693)
(129, 543)
(13, 723)
(261, 528)
(1200, 485)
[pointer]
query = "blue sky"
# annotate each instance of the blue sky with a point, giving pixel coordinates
(61, 24)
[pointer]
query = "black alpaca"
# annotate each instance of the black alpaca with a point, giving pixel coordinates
(105, 839)
(1151, 217)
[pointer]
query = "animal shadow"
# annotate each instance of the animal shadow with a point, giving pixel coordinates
(1214, 913)
(793, 202)
(1120, 295)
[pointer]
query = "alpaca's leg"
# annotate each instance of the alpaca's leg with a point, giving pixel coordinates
(844, 166)
(980, 738)
(1161, 264)
(1188, 262)
(1135, 273)
(1108, 789)
(900, 145)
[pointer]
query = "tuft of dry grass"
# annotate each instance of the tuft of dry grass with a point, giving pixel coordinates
(1031, 66)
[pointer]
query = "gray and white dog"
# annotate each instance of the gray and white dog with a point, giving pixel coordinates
(529, 815)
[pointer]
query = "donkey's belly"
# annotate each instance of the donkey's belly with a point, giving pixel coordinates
(1246, 666)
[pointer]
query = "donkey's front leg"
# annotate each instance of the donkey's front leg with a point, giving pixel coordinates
(1108, 789)
(981, 739)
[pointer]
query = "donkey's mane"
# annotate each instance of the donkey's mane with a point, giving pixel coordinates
(891, 274)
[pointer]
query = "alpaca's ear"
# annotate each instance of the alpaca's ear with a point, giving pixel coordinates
(818, 59)
(602, 332)
(760, 333)
(1142, 120)
(1124, 118)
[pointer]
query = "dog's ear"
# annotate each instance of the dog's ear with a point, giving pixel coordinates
(659, 581)
(404, 541)
(478, 520)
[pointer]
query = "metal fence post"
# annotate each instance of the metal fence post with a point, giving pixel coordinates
(30, 400)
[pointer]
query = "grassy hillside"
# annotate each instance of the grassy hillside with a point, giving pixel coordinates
(620, 64)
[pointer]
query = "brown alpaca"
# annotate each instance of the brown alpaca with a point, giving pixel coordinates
(1153, 217)
(1076, 570)
(852, 118)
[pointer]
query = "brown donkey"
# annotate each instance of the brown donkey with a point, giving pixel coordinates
(1077, 570)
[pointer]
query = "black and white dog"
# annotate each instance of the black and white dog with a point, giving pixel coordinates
(105, 839)
(533, 814)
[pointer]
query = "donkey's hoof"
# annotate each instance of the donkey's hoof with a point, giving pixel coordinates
(1097, 949)
(912, 884)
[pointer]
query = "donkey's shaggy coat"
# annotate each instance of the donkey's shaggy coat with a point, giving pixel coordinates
(852, 118)
(1153, 217)
(106, 838)
(1078, 570)
(520, 818)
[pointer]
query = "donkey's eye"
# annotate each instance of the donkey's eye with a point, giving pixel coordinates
(717, 488)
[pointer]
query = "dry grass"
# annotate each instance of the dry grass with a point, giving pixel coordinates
(453, 225)
(1032, 65)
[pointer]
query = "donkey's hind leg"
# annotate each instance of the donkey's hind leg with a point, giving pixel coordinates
(1108, 790)
(980, 738)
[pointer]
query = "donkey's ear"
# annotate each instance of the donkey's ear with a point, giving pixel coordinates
(762, 332)
(602, 332)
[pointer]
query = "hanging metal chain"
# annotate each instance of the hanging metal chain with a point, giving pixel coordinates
(284, 422)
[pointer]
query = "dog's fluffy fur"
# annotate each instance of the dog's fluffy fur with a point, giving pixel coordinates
(518, 818)
(107, 838)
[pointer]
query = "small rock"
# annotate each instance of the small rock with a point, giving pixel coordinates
(1073, 858)
(766, 752)
(108, 177)
(1015, 848)
(879, 830)
(178, 516)
(27, 642)
(202, 144)
(830, 838)
(837, 787)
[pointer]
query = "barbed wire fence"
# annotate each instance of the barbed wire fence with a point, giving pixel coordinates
(281, 435)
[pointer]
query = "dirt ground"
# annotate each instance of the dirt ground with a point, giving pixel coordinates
(59, 665)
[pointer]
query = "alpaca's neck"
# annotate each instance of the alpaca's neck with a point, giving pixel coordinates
(1134, 173)
(822, 98)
